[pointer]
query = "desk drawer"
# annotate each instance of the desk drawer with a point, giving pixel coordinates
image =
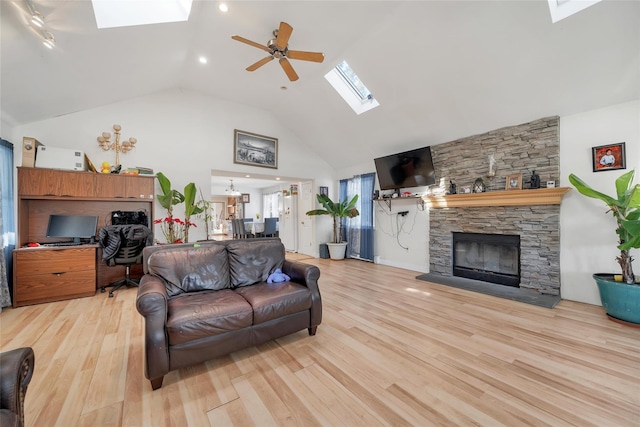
(35, 289)
(43, 261)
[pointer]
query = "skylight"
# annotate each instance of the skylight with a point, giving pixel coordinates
(561, 9)
(110, 13)
(346, 82)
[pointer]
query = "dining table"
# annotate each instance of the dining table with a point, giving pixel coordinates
(255, 227)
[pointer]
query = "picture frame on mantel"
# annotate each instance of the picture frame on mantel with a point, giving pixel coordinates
(609, 157)
(255, 150)
(514, 182)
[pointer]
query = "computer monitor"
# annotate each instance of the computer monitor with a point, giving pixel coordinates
(72, 226)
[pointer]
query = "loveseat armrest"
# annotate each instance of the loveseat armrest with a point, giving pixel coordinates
(307, 275)
(16, 370)
(152, 302)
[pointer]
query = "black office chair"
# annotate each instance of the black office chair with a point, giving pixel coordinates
(123, 245)
(270, 227)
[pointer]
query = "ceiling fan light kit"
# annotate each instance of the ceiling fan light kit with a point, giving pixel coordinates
(279, 48)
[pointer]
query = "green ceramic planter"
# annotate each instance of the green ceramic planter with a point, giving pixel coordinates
(620, 300)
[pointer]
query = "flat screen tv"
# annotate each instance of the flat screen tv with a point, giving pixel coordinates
(72, 226)
(403, 170)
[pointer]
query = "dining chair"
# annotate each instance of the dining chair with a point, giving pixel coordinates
(270, 227)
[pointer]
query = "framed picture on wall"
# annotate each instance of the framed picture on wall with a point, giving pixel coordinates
(324, 191)
(514, 182)
(609, 157)
(245, 198)
(255, 150)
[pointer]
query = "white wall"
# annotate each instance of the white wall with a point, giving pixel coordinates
(180, 133)
(587, 232)
(587, 237)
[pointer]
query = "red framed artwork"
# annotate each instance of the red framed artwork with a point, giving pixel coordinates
(609, 157)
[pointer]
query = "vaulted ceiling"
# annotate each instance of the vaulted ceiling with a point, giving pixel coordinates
(441, 70)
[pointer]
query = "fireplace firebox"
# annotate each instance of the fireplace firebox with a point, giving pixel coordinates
(493, 258)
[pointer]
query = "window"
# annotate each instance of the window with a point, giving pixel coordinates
(349, 86)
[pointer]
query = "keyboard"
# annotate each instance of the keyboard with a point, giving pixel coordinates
(64, 244)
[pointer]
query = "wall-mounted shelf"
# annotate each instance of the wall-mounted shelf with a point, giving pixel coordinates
(540, 196)
(387, 200)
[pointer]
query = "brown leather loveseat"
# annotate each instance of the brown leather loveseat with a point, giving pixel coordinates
(208, 299)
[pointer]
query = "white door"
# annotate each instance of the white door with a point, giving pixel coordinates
(306, 202)
(288, 222)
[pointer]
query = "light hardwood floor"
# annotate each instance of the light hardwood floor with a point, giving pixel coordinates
(391, 350)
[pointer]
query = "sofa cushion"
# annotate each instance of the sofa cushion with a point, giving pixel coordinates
(191, 269)
(252, 261)
(273, 300)
(192, 316)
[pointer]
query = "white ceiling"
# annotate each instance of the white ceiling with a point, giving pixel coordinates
(441, 70)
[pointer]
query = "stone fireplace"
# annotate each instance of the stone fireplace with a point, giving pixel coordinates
(493, 258)
(537, 227)
(531, 214)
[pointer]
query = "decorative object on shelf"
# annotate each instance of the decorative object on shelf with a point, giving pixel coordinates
(514, 182)
(534, 180)
(551, 184)
(452, 187)
(337, 211)
(492, 166)
(255, 150)
(620, 294)
(479, 186)
(105, 167)
(609, 157)
(246, 198)
(465, 189)
(105, 143)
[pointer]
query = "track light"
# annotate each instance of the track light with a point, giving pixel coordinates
(36, 17)
(49, 40)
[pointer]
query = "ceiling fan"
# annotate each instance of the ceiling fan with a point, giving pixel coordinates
(278, 48)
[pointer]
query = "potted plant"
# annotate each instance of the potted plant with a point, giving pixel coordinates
(620, 298)
(174, 229)
(337, 211)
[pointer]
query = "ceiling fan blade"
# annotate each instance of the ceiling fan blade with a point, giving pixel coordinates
(284, 32)
(288, 69)
(249, 42)
(259, 64)
(305, 56)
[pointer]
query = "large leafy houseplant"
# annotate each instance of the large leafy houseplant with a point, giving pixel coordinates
(174, 229)
(337, 211)
(625, 208)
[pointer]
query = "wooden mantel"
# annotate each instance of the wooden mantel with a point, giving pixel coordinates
(540, 196)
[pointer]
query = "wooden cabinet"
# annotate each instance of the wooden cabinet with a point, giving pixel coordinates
(42, 192)
(53, 274)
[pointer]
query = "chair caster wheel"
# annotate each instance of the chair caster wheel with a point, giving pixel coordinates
(110, 295)
(102, 290)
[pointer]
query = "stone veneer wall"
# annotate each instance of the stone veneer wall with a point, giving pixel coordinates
(516, 149)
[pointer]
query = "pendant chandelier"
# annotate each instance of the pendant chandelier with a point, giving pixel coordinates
(231, 191)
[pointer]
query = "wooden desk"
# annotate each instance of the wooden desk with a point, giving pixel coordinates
(42, 192)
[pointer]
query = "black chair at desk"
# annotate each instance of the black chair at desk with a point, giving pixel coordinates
(123, 245)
